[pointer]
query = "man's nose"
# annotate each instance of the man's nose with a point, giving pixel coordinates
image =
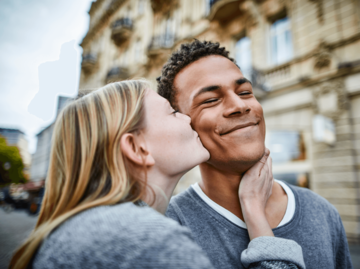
(234, 105)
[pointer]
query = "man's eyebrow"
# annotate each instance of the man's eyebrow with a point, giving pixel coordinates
(241, 81)
(207, 89)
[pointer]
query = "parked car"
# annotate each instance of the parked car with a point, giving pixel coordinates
(23, 196)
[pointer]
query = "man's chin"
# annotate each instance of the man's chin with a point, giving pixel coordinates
(238, 164)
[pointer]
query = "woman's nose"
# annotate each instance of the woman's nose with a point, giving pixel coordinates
(186, 117)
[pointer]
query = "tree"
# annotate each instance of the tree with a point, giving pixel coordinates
(11, 164)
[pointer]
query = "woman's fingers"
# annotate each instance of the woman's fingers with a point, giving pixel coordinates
(269, 161)
(261, 163)
(270, 175)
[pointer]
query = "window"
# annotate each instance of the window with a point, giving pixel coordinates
(141, 7)
(207, 7)
(285, 146)
(300, 179)
(138, 51)
(280, 41)
(243, 56)
(169, 36)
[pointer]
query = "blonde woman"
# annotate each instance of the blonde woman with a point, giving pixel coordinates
(114, 152)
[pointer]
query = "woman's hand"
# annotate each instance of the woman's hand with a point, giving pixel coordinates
(254, 192)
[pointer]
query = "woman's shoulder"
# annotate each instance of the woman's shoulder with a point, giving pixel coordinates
(111, 236)
(121, 220)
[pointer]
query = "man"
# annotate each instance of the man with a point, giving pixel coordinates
(200, 80)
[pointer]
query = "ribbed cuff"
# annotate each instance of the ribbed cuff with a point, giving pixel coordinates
(266, 248)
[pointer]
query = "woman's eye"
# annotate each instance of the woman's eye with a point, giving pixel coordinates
(175, 111)
(210, 101)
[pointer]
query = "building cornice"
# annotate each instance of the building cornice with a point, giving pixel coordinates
(94, 6)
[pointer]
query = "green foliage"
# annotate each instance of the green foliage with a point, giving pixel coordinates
(13, 171)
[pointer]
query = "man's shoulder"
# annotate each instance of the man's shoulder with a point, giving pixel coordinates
(309, 200)
(183, 197)
(183, 202)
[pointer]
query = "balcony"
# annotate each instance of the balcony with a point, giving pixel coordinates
(159, 50)
(163, 6)
(165, 41)
(224, 10)
(116, 74)
(121, 30)
(278, 75)
(89, 62)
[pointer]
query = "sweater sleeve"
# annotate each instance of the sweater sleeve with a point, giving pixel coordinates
(266, 251)
(342, 255)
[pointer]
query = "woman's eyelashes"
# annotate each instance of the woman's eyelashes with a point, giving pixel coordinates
(174, 112)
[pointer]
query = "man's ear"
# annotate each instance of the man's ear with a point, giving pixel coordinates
(135, 150)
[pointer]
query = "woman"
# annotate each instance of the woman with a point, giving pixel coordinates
(113, 150)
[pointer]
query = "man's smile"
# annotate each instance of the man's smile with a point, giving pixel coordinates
(239, 127)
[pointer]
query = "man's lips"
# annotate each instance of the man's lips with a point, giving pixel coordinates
(239, 126)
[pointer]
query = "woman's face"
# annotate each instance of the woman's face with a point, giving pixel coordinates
(174, 145)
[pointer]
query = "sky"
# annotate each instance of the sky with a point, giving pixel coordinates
(40, 59)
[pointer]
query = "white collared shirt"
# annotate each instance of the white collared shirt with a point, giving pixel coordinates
(290, 209)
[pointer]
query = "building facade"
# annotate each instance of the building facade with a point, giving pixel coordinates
(305, 54)
(15, 137)
(41, 157)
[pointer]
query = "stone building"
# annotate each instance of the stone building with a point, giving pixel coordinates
(41, 157)
(303, 56)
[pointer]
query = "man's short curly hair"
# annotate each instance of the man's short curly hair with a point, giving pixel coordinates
(187, 54)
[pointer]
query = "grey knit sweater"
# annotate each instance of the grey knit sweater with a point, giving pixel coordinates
(131, 236)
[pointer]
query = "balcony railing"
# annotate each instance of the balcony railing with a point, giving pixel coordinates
(89, 62)
(162, 41)
(117, 73)
(278, 74)
(121, 30)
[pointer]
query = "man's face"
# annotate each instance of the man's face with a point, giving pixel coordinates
(224, 112)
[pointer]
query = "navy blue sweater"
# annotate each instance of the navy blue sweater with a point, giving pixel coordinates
(316, 226)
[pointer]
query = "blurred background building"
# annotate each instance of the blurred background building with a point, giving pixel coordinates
(15, 137)
(303, 57)
(41, 158)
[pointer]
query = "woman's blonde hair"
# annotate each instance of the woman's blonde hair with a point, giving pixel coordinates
(87, 168)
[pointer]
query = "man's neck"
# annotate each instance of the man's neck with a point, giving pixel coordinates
(223, 188)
